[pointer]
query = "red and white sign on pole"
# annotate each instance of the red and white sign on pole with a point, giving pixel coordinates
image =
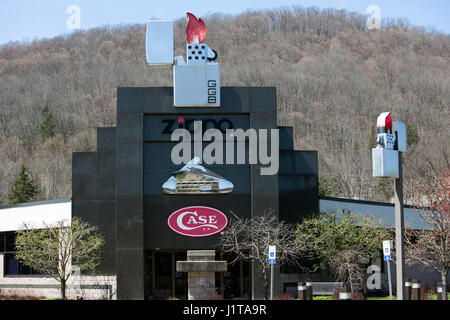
(197, 221)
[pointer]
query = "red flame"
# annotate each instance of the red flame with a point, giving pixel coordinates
(388, 122)
(384, 120)
(195, 27)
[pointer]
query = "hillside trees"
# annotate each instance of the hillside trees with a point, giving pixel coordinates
(25, 188)
(333, 77)
(47, 126)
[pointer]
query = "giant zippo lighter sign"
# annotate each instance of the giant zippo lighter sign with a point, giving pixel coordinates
(197, 221)
(196, 82)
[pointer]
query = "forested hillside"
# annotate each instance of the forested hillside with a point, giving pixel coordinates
(333, 77)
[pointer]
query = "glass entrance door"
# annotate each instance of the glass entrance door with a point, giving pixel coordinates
(163, 275)
(180, 278)
(235, 282)
(163, 281)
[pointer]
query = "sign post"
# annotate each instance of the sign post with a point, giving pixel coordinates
(399, 232)
(387, 162)
(387, 244)
(272, 261)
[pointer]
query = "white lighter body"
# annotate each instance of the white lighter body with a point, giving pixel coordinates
(391, 139)
(196, 82)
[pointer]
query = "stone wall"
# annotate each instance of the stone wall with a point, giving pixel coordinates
(201, 267)
(201, 284)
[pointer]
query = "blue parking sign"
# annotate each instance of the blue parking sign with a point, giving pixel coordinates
(272, 254)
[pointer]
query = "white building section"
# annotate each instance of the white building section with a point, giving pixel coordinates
(35, 214)
(13, 281)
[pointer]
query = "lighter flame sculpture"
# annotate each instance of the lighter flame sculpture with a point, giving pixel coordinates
(197, 81)
(195, 28)
(391, 139)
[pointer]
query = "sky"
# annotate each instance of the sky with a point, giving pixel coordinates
(26, 20)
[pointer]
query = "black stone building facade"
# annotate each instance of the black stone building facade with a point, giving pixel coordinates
(119, 189)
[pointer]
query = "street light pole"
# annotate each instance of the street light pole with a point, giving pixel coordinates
(399, 231)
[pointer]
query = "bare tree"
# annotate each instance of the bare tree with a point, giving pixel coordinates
(249, 239)
(431, 247)
(347, 268)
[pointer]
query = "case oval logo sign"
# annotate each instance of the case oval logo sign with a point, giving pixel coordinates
(197, 221)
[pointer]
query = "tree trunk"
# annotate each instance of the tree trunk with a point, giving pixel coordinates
(266, 283)
(444, 285)
(63, 289)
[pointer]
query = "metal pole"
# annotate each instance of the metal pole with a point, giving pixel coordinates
(416, 287)
(302, 291)
(271, 282)
(408, 289)
(439, 291)
(345, 293)
(388, 262)
(309, 290)
(399, 230)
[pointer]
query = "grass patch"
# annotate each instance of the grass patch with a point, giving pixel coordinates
(368, 298)
(430, 297)
(323, 298)
(434, 297)
(381, 298)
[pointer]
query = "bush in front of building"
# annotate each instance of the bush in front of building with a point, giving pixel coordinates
(341, 244)
(57, 249)
(4, 296)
